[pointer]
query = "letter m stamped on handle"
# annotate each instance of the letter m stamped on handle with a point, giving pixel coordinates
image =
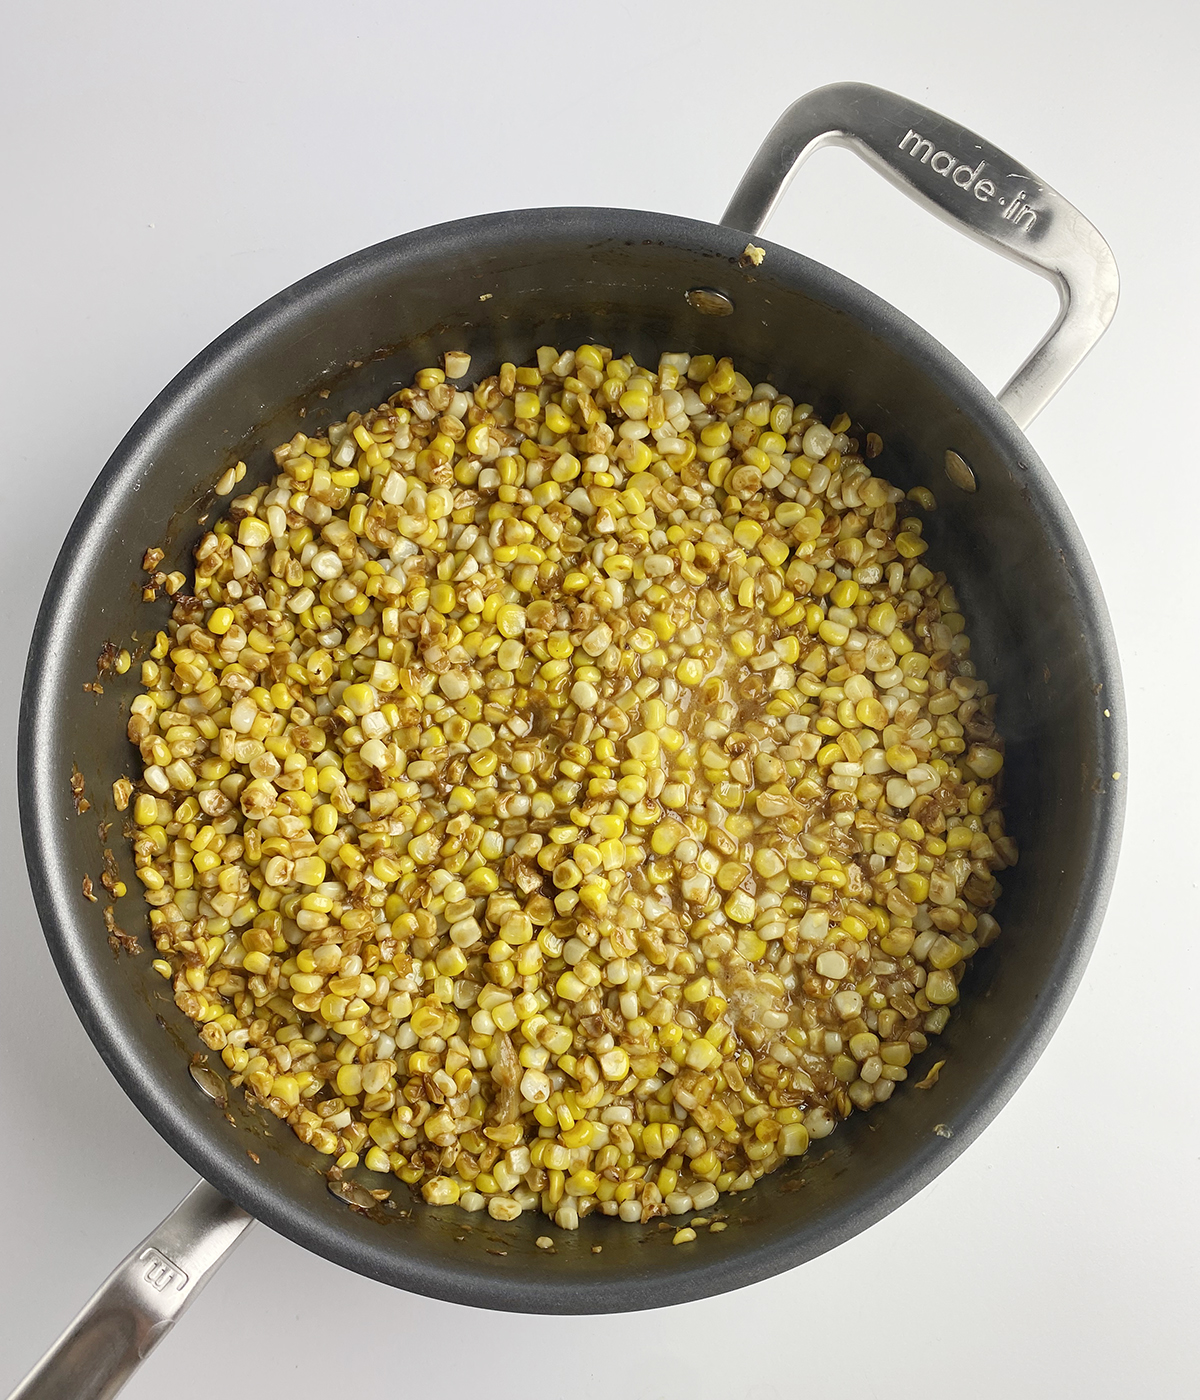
(160, 1273)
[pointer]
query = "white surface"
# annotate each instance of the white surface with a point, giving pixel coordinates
(167, 167)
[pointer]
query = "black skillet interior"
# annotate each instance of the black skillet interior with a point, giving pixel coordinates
(499, 286)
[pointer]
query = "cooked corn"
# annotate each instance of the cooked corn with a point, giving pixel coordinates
(573, 794)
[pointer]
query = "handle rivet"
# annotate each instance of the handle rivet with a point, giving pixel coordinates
(959, 473)
(209, 1081)
(709, 302)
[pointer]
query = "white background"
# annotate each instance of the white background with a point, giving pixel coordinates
(168, 166)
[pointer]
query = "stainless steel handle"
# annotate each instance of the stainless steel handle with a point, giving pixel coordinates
(970, 184)
(138, 1303)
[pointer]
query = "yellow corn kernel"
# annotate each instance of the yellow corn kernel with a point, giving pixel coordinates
(443, 597)
(910, 545)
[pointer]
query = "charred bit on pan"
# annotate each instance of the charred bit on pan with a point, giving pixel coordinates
(751, 256)
(87, 889)
(81, 803)
(118, 939)
(111, 876)
(113, 658)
